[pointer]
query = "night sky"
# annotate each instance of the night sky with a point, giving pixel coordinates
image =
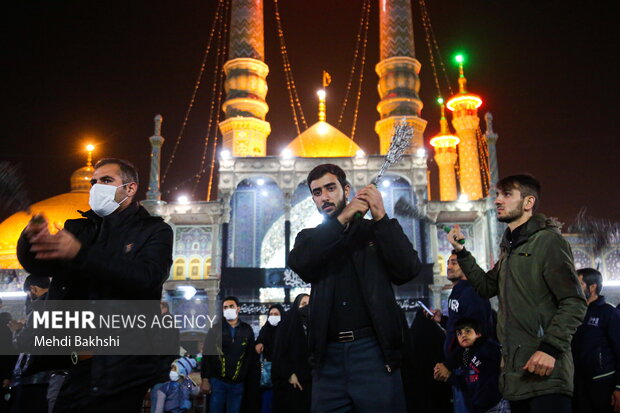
(86, 71)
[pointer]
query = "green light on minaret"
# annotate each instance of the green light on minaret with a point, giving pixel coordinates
(440, 101)
(459, 58)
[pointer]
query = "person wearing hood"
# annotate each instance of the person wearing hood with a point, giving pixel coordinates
(175, 395)
(264, 348)
(291, 372)
(596, 349)
(541, 302)
(117, 251)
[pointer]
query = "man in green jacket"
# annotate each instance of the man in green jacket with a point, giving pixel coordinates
(541, 303)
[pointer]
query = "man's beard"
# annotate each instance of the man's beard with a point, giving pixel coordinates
(337, 208)
(513, 215)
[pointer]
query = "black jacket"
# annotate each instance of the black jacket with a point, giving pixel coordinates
(464, 302)
(382, 254)
(478, 375)
(124, 256)
(235, 355)
(596, 344)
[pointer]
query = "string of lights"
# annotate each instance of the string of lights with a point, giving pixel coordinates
(433, 48)
(358, 42)
(216, 18)
(483, 156)
(217, 135)
(362, 65)
(288, 74)
(218, 79)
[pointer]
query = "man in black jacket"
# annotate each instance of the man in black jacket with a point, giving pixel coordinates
(116, 252)
(596, 350)
(355, 331)
(223, 375)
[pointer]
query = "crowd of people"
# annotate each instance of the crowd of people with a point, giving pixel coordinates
(552, 346)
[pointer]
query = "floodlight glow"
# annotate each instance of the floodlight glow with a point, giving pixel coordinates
(90, 147)
(421, 152)
(386, 184)
(463, 198)
(360, 153)
(183, 200)
(188, 291)
(286, 154)
(260, 182)
(321, 94)
(225, 155)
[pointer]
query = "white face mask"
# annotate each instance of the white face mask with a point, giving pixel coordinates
(274, 320)
(230, 314)
(102, 200)
(174, 376)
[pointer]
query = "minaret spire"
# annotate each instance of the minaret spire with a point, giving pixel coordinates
(464, 106)
(445, 155)
(398, 74)
(245, 130)
(153, 193)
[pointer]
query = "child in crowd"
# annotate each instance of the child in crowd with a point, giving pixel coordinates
(175, 395)
(477, 373)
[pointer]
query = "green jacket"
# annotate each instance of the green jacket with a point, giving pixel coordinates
(541, 304)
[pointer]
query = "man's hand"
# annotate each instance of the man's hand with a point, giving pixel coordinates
(295, 382)
(436, 317)
(15, 325)
(37, 225)
(356, 205)
(60, 246)
(259, 348)
(615, 400)
(540, 363)
(441, 372)
(454, 236)
(371, 195)
(205, 386)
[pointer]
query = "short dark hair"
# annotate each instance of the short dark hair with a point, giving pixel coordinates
(37, 281)
(129, 173)
(327, 168)
(468, 322)
(231, 298)
(526, 184)
(592, 276)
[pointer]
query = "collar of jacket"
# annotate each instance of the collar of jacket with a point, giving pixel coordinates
(537, 223)
(598, 302)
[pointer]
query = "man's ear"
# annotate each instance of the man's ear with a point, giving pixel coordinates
(132, 188)
(347, 190)
(529, 203)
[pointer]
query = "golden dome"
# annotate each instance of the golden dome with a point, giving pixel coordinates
(57, 210)
(80, 179)
(322, 140)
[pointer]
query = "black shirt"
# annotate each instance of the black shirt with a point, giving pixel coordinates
(349, 311)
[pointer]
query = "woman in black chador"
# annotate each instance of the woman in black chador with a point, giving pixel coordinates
(291, 373)
(264, 347)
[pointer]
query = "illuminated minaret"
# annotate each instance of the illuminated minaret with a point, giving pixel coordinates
(153, 193)
(465, 120)
(398, 74)
(445, 156)
(245, 130)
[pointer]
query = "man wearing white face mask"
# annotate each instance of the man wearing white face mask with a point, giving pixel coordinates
(118, 251)
(223, 375)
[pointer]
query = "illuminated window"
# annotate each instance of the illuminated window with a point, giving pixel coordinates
(207, 267)
(194, 269)
(178, 272)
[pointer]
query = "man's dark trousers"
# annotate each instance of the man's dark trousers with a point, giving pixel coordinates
(556, 403)
(353, 378)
